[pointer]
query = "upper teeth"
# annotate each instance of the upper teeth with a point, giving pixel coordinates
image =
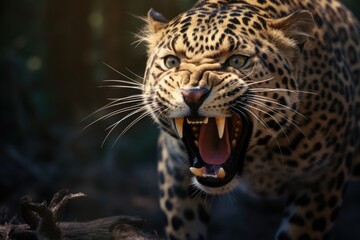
(220, 124)
(205, 121)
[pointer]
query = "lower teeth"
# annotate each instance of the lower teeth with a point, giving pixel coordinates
(202, 172)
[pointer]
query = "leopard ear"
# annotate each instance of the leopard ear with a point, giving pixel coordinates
(156, 20)
(297, 26)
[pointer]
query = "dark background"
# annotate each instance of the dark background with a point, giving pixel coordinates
(52, 56)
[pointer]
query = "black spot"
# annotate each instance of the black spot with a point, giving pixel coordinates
(280, 71)
(319, 224)
(234, 21)
(176, 223)
(168, 205)
(203, 215)
(352, 53)
(273, 125)
(264, 140)
(258, 42)
(161, 177)
(246, 20)
(297, 219)
(186, 20)
(318, 20)
(262, 21)
(257, 26)
(231, 26)
(271, 67)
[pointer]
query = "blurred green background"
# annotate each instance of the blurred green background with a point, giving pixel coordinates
(52, 56)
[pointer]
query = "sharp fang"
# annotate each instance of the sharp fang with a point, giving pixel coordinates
(220, 124)
(199, 172)
(179, 124)
(221, 173)
(206, 120)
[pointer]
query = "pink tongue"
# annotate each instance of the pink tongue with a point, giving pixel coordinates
(213, 150)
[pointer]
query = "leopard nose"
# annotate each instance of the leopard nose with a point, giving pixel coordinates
(194, 97)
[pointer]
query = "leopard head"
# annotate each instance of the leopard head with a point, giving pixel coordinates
(221, 77)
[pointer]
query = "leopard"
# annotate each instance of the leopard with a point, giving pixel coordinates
(260, 96)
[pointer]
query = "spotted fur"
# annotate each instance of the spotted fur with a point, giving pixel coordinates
(298, 85)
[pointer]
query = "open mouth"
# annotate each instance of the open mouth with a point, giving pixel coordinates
(216, 146)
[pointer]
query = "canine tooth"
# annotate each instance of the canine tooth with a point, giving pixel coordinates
(179, 124)
(199, 172)
(196, 143)
(220, 124)
(221, 173)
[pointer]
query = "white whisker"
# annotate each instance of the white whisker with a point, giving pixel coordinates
(271, 100)
(143, 115)
(280, 90)
(260, 81)
(123, 81)
(121, 86)
(277, 122)
(114, 125)
(135, 74)
(262, 122)
(122, 74)
(291, 121)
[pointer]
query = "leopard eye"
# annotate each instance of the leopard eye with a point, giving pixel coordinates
(171, 61)
(237, 61)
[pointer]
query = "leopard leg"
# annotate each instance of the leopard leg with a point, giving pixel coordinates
(310, 213)
(186, 213)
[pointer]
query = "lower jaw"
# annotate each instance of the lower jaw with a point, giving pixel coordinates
(232, 166)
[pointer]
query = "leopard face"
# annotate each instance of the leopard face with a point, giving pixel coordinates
(221, 78)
